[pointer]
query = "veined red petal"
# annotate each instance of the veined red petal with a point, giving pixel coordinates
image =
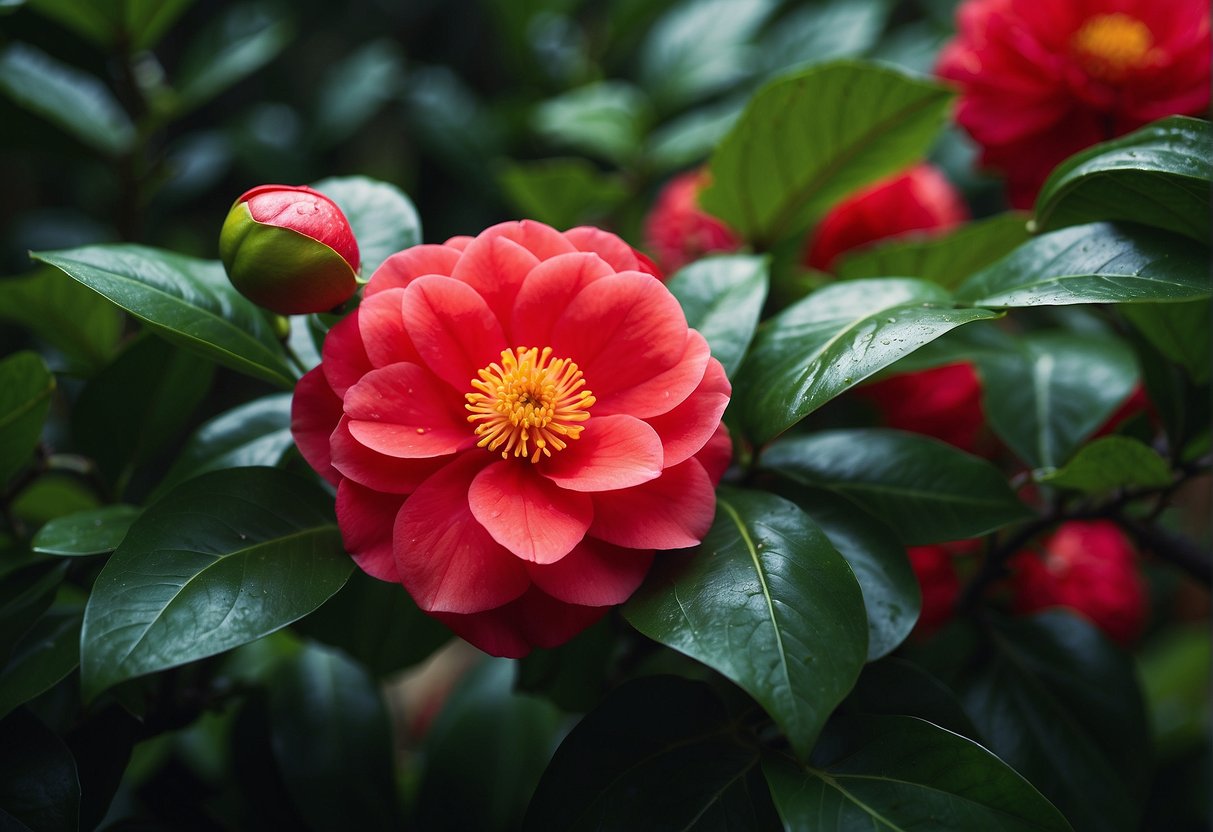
(452, 328)
(666, 390)
(534, 620)
(402, 410)
(595, 574)
(687, 428)
(527, 513)
(548, 290)
(315, 412)
(381, 472)
(381, 324)
(403, 267)
(613, 452)
(366, 518)
(343, 357)
(673, 511)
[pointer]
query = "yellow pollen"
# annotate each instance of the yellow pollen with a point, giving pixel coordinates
(1111, 46)
(529, 405)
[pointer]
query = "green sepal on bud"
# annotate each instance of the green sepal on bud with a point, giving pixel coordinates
(289, 249)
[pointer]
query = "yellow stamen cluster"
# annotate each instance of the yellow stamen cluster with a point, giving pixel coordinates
(1111, 46)
(528, 405)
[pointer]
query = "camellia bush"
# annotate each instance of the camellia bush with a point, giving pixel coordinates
(720, 414)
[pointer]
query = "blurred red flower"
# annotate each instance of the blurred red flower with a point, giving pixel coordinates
(514, 423)
(918, 199)
(1042, 80)
(1090, 567)
(677, 231)
(943, 402)
(940, 585)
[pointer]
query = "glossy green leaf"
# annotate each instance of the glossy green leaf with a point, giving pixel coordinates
(488, 742)
(64, 314)
(45, 655)
(1180, 331)
(891, 594)
(767, 601)
(92, 532)
(356, 88)
(51, 496)
(926, 490)
(822, 32)
(561, 192)
(332, 740)
(139, 405)
(688, 54)
(1108, 463)
(1062, 706)
(1094, 263)
(382, 216)
(67, 97)
(896, 687)
(221, 560)
(689, 138)
(232, 46)
(658, 753)
(722, 298)
(1158, 175)
(807, 140)
(901, 773)
(944, 259)
(255, 433)
(1046, 392)
(833, 340)
(26, 592)
(577, 674)
(606, 119)
(376, 623)
(25, 397)
(39, 789)
(188, 301)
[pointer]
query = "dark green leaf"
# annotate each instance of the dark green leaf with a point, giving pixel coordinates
(575, 675)
(658, 753)
(1176, 671)
(25, 397)
(606, 119)
(356, 88)
(822, 32)
(39, 790)
(64, 314)
(253, 434)
(222, 560)
(140, 23)
(25, 594)
(376, 623)
(383, 218)
(484, 753)
(73, 100)
(895, 687)
(767, 601)
(807, 140)
(332, 740)
(561, 192)
(138, 405)
(944, 259)
(1062, 706)
(1180, 331)
(51, 496)
(48, 652)
(235, 44)
(1158, 175)
(92, 532)
(927, 490)
(1109, 463)
(188, 301)
(833, 340)
(901, 773)
(722, 298)
(688, 54)
(891, 594)
(1095, 263)
(95, 21)
(1046, 392)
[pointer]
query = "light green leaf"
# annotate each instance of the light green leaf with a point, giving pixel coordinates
(25, 398)
(767, 601)
(606, 119)
(62, 94)
(233, 46)
(561, 192)
(822, 32)
(92, 532)
(188, 301)
(1108, 463)
(1095, 263)
(356, 88)
(65, 315)
(722, 298)
(382, 216)
(220, 561)
(807, 140)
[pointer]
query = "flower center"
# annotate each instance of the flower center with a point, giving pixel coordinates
(1110, 46)
(529, 404)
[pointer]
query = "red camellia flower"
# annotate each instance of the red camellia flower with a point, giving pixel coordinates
(1042, 80)
(1090, 567)
(515, 422)
(677, 231)
(944, 402)
(939, 583)
(919, 199)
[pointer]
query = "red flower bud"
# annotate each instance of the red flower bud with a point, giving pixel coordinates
(677, 231)
(1089, 567)
(944, 402)
(289, 249)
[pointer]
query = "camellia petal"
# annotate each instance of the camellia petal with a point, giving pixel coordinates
(613, 452)
(315, 410)
(453, 329)
(401, 410)
(672, 512)
(447, 560)
(343, 356)
(716, 455)
(403, 267)
(594, 574)
(687, 428)
(367, 518)
(664, 391)
(618, 254)
(380, 322)
(527, 513)
(495, 266)
(381, 472)
(534, 620)
(548, 290)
